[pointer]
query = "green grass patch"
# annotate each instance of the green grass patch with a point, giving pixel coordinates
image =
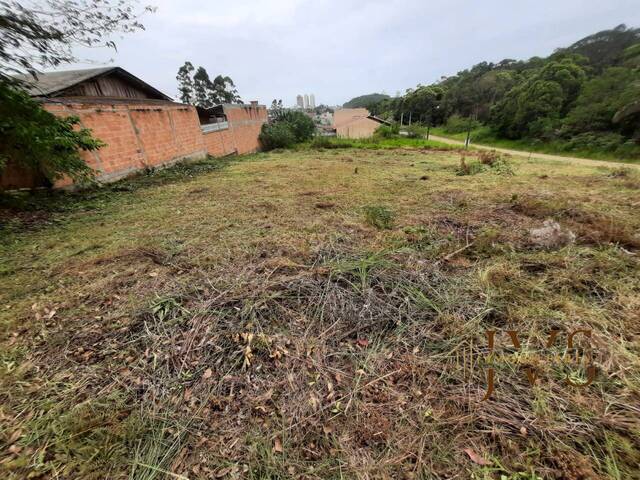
(484, 136)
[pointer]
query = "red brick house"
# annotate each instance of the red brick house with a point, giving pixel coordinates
(141, 126)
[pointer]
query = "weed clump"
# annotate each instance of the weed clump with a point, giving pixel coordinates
(488, 161)
(379, 216)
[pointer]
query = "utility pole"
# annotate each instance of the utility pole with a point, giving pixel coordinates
(468, 140)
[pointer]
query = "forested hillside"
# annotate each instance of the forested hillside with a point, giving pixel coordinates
(366, 101)
(583, 97)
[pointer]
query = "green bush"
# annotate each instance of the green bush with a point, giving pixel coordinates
(300, 124)
(33, 138)
(387, 131)
(416, 131)
(287, 128)
(488, 161)
(595, 141)
(276, 135)
(459, 124)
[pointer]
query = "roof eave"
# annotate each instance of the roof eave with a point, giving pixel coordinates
(120, 71)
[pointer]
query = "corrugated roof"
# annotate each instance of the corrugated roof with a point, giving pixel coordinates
(379, 120)
(50, 83)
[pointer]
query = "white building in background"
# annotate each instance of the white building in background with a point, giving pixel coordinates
(306, 101)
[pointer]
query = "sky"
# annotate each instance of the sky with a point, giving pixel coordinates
(339, 49)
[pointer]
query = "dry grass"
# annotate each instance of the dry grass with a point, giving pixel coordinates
(272, 320)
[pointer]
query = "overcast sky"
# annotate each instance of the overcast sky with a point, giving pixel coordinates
(338, 49)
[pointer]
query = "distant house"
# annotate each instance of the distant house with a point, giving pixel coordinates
(355, 123)
(141, 126)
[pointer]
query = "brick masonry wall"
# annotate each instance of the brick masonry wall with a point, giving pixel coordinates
(150, 135)
(245, 122)
(220, 143)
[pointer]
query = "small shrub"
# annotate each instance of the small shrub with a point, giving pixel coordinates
(387, 131)
(488, 161)
(488, 157)
(416, 131)
(471, 168)
(502, 167)
(276, 135)
(622, 172)
(379, 216)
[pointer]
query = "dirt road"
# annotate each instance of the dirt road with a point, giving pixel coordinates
(545, 156)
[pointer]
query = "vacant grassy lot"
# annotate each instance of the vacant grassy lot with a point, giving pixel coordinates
(323, 314)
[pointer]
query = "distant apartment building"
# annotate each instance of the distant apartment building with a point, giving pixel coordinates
(306, 101)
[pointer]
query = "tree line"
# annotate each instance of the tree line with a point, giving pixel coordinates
(587, 94)
(196, 88)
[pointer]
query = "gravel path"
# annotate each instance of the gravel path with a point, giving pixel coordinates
(545, 156)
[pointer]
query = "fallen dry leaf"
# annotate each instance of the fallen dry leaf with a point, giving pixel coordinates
(207, 374)
(363, 342)
(15, 436)
(15, 449)
(475, 458)
(277, 445)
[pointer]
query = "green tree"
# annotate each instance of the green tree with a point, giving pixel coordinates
(224, 91)
(185, 83)
(534, 106)
(276, 108)
(200, 90)
(605, 48)
(424, 103)
(33, 138)
(45, 33)
(286, 128)
(601, 98)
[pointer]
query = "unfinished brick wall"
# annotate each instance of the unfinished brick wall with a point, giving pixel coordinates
(245, 122)
(137, 135)
(140, 135)
(220, 143)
